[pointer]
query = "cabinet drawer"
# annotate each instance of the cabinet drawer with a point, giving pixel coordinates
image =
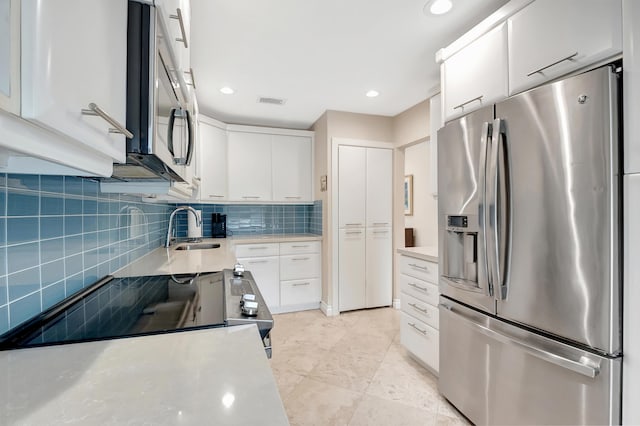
(423, 311)
(420, 339)
(300, 292)
(300, 247)
(421, 290)
(299, 266)
(419, 268)
(257, 250)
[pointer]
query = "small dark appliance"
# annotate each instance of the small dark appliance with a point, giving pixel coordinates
(219, 225)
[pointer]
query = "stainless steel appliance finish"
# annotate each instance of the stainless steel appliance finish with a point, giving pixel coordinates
(497, 373)
(158, 107)
(529, 236)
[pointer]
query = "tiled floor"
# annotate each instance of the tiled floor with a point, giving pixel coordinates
(352, 370)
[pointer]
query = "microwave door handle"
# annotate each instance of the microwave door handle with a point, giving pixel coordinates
(189, 138)
(484, 280)
(500, 214)
(172, 120)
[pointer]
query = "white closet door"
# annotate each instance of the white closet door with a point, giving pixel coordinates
(379, 253)
(379, 201)
(351, 186)
(351, 268)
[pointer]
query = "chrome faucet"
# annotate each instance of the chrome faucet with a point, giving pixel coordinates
(187, 208)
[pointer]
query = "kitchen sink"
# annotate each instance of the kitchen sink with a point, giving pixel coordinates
(197, 246)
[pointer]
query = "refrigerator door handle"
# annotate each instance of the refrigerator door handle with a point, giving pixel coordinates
(484, 281)
(499, 210)
(585, 366)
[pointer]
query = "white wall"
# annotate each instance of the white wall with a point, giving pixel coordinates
(424, 220)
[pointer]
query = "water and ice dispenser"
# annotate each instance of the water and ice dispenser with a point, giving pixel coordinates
(460, 260)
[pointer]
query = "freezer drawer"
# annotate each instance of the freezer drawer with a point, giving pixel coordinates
(496, 373)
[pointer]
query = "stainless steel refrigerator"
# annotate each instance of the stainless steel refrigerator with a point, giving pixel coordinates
(529, 231)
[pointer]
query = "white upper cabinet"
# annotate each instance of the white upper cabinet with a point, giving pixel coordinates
(249, 166)
(379, 192)
(10, 55)
(352, 184)
(291, 166)
(213, 162)
(550, 38)
(475, 76)
(72, 63)
(176, 17)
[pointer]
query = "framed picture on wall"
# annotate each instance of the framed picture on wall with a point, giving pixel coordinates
(408, 195)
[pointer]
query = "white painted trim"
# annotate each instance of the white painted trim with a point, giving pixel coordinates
(269, 130)
(327, 309)
(396, 304)
(295, 308)
(212, 121)
(335, 231)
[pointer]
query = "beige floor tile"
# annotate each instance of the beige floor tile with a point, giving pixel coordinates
(349, 371)
(296, 358)
(373, 411)
(316, 403)
(443, 420)
(286, 382)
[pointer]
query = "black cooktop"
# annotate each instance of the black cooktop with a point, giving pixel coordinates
(125, 307)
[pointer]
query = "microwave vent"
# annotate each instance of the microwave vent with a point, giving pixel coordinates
(272, 101)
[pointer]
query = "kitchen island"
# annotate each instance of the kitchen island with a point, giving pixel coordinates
(214, 376)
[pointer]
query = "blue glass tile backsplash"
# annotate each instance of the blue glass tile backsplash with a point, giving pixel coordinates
(59, 234)
(258, 219)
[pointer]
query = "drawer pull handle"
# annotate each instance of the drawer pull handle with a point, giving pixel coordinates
(304, 246)
(380, 223)
(353, 224)
(183, 33)
(250, 197)
(257, 261)
(293, 198)
(215, 196)
(568, 58)
(353, 232)
(417, 308)
(300, 258)
(415, 327)
(462, 105)
(297, 284)
(424, 268)
(380, 232)
(96, 110)
(426, 290)
(257, 248)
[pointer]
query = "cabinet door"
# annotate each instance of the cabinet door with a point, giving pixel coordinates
(300, 292)
(213, 163)
(71, 62)
(266, 272)
(379, 256)
(379, 202)
(351, 269)
(351, 186)
(299, 266)
(550, 38)
(249, 166)
(420, 339)
(10, 55)
(291, 165)
(476, 76)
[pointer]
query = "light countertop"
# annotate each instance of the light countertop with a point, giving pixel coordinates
(429, 253)
(163, 261)
(215, 376)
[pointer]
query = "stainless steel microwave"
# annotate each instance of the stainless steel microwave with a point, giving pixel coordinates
(157, 109)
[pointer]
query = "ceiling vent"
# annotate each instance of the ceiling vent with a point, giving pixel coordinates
(271, 101)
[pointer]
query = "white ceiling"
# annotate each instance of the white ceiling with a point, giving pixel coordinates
(319, 55)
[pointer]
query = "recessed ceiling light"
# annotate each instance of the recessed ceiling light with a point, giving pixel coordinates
(438, 7)
(227, 90)
(372, 93)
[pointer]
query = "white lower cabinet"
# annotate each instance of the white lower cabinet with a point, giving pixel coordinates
(288, 274)
(420, 339)
(419, 303)
(266, 272)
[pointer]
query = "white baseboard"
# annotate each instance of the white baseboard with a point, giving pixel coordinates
(294, 308)
(327, 309)
(396, 303)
